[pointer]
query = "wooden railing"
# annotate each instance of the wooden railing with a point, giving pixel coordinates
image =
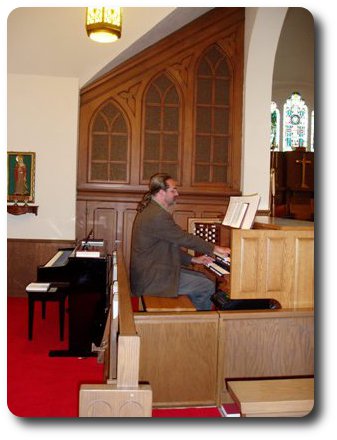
(120, 395)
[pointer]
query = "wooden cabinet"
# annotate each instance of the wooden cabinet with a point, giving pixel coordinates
(176, 107)
(275, 259)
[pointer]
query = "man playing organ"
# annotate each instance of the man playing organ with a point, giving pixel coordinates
(157, 258)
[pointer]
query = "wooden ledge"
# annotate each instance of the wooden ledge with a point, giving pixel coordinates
(181, 303)
(22, 209)
(273, 398)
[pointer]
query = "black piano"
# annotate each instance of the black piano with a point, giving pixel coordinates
(87, 279)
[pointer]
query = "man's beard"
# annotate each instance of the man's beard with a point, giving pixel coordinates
(171, 203)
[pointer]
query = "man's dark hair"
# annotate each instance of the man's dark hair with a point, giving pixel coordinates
(157, 182)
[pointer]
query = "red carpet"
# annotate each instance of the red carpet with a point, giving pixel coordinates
(39, 385)
(186, 412)
(43, 386)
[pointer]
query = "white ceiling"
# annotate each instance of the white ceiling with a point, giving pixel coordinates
(53, 42)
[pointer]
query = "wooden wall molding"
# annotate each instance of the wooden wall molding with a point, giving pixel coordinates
(130, 95)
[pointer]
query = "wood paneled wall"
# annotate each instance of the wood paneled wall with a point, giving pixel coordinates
(23, 258)
(121, 140)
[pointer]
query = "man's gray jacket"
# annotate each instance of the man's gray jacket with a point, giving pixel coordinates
(156, 254)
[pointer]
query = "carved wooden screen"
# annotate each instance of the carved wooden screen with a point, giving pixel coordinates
(109, 137)
(175, 107)
(212, 127)
(161, 150)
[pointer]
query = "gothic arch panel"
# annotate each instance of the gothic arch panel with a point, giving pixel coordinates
(213, 114)
(161, 128)
(109, 145)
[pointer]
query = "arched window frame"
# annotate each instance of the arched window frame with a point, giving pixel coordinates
(219, 168)
(295, 123)
(117, 160)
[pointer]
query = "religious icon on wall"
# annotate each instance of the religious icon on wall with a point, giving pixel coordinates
(20, 177)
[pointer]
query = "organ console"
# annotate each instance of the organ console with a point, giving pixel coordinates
(87, 279)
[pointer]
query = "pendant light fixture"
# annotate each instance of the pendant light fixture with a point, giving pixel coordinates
(104, 25)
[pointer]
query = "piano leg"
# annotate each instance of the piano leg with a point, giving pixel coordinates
(43, 304)
(61, 317)
(30, 318)
(87, 317)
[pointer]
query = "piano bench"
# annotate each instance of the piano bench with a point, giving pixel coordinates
(181, 303)
(53, 294)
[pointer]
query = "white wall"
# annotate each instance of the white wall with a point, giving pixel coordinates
(262, 31)
(43, 118)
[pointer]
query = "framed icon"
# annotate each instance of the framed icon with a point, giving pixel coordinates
(20, 177)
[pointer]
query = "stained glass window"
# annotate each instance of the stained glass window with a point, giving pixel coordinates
(312, 136)
(295, 123)
(275, 124)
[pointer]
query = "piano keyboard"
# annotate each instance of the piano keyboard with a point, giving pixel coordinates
(224, 262)
(59, 259)
(217, 269)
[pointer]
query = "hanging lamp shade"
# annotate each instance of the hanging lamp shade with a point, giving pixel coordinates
(104, 25)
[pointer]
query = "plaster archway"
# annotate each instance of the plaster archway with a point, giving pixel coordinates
(262, 32)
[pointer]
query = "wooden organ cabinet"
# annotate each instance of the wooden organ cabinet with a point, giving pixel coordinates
(275, 259)
(175, 107)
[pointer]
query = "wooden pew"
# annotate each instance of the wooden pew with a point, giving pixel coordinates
(121, 394)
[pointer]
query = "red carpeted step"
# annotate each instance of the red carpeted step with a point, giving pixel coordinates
(199, 412)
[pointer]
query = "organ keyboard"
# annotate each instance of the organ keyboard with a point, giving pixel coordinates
(88, 283)
(221, 266)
